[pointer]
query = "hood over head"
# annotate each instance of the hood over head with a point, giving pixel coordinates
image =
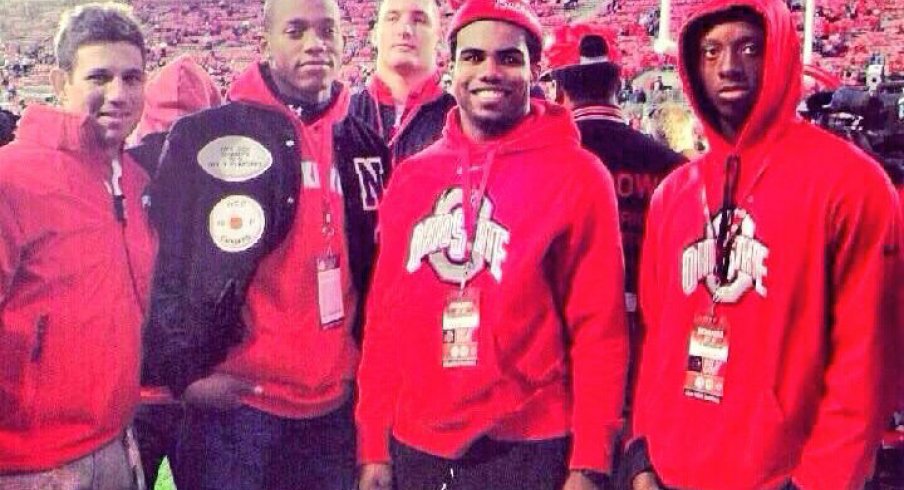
(780, 84)
(179, 88)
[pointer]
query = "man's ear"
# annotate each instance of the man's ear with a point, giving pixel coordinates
(264, 47)
(59, 80)
(534, 72)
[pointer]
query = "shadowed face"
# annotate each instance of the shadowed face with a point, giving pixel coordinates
(730, 69)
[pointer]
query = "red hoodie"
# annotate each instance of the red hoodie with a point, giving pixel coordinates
(305, 370)
(807, 373)
(549, 267)
(73, 284)
(180, 87)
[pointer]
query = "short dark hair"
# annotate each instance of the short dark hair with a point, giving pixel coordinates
(534, 45)
(94, 23)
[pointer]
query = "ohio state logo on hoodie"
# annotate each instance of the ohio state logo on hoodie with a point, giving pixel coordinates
(747, 262)
(440, 237)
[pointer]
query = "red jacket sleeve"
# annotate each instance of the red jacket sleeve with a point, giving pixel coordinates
(858, 377)
(11, 238)
(378, 377)
(649, 298)
(594, 312)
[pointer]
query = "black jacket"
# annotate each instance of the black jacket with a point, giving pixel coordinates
(637, 163)
(199, 287)
(425, 128)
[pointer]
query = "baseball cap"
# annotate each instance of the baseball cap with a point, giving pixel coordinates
(580, 44)
(517, 12)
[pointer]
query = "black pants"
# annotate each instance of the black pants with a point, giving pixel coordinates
(247, 449)
(159, 432)
(488, 464)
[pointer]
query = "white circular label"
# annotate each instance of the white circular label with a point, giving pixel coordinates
(236, 223)
(234, 158)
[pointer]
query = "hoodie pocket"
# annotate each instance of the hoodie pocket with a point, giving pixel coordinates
(768, 442)
(24, 350)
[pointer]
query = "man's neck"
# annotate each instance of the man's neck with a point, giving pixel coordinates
(401, 84)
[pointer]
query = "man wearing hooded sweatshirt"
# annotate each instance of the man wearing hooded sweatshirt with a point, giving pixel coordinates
(268, 210)
(75, 264)
(179, 88)
(495, 347)
(766, 361)
(404, 101)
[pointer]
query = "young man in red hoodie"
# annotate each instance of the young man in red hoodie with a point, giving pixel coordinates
(268, 209)
(495, 345)
(404, 101)
(75, 261)
(767, 358)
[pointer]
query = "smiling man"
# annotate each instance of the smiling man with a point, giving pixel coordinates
(267, 211)
(768, 344)
(404, 101)
(75, 261)
(495, 347)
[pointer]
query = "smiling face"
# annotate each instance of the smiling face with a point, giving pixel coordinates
(303, 45)
(491, 77)
(406, 35)
(730, 69)
(106, 82)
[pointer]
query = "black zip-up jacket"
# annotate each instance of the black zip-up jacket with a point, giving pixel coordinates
(199, 289)
(425, 127)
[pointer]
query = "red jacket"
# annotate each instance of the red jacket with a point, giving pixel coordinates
(807, 375)
(73, 286)
(549, 268)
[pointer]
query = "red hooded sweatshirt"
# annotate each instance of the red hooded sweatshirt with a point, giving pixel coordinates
(552, 340)
(305, 370)
(806, 379)
(73, 287)
(180, 87)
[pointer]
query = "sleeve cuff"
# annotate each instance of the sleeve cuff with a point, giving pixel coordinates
(373, 445)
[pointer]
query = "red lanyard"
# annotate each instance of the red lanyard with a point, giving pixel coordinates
(320, 147)
(471, 203)
(407, 117)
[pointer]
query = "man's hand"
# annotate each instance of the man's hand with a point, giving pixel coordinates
(579, 481)
(645, 481)
(219, 391)
(375, 476)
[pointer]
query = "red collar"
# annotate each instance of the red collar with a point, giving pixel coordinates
(427, 92)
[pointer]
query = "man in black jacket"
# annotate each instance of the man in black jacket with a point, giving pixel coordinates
(405, 101)
(583, 62)
(267, 208)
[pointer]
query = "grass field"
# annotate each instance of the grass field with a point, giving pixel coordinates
(164, 478)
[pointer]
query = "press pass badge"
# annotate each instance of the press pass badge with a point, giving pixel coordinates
(329, 290)
(707, 358)
(461, 318)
